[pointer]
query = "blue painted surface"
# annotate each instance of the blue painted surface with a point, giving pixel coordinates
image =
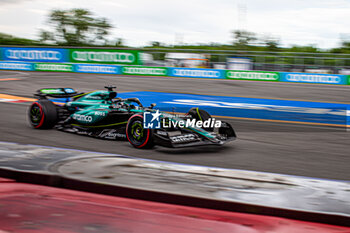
(35, 54)
(196, 73)
(313, 78)
(287, 110)
(16, 66)
(98, 69)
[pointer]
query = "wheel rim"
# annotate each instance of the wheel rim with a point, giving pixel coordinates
(137, 132)
(35, 114)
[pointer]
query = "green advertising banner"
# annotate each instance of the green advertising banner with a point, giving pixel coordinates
(252, 75)
(104, 56)
(145, 70)
(58, 67)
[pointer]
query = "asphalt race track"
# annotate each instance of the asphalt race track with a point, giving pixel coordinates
(302, 150)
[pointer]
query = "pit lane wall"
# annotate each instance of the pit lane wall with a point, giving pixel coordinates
(128, 62)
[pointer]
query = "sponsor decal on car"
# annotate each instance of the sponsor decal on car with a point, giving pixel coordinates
(69, 90)
(83, 118)
(183, 138)
(52, 91)
(82, 132)
(111, 134)
(161, 132)
(100, 113)
(93, 97)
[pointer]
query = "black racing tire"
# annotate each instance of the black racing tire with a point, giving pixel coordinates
(43, 114)
(138, 136)
(200, 115)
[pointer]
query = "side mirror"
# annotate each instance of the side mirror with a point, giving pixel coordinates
(153, 105)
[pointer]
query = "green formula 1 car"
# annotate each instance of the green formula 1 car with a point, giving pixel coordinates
(102, 115)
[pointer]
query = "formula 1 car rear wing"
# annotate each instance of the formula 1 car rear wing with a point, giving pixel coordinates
(56, 93)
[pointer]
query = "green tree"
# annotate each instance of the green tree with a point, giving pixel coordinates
(6, 39)
(76, 27)
(156, 44)
(345, 44)
(45, 36)
(243, 38)
(119, 42)
(271, 43)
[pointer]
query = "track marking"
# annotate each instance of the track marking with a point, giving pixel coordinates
(14, 99)
(8, 79)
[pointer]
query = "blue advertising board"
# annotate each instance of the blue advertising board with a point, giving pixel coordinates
(35, 54)
(313, 78)
(196, 73)
(99, 69)
(16, 66)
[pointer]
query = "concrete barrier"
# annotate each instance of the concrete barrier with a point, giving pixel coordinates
(292, 197)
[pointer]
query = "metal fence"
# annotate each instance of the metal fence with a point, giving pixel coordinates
(265, 60)
(321, 62)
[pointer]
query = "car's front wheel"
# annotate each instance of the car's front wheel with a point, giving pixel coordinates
(138, 136)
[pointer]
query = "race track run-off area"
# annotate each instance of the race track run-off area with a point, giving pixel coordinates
(286, 128)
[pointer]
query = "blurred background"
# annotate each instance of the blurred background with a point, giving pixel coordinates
(297, 36)
(290, 159)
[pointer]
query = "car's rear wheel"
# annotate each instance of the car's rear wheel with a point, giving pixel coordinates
(138, 136)
(43, 114)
